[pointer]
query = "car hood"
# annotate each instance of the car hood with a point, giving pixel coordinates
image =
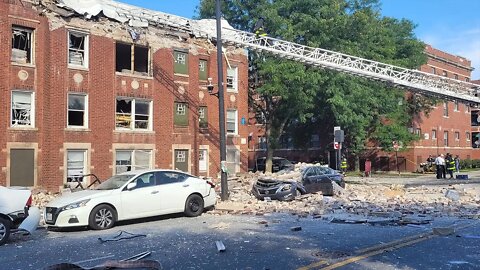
(69, 198)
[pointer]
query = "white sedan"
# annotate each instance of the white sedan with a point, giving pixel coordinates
(131, 195)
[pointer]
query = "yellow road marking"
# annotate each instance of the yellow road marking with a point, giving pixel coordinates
(377, 249)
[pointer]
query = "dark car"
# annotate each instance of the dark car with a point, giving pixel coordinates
(312, 179)
(278, 164)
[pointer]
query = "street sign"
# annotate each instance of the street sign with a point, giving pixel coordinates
(337, 145)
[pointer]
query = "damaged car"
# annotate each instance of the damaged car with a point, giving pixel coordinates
(16, 212)
(132, 195)
(286, 187)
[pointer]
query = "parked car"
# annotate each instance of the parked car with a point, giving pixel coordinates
(278, 164)
(16, 212)
(131, 195)
(311, 179)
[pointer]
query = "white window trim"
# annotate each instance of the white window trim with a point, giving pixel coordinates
(132, 117)
(85, 114)
(86, 53)
(233, 89)
(32, 45)
(468, 137)
(85, 163)
(236, 122)
(132, 165)
(32, 110)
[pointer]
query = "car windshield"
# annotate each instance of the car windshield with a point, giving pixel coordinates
(115, 182)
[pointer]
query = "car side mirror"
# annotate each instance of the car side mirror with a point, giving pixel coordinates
(131, 185)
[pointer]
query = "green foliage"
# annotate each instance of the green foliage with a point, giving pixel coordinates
(303, 100)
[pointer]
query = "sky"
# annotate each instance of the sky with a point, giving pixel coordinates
(452, 26)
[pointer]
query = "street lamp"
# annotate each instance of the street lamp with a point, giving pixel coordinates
(221, 105)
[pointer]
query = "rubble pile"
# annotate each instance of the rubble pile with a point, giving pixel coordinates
(362, 196)
(40, 197)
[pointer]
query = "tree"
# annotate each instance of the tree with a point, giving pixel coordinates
(297, 96)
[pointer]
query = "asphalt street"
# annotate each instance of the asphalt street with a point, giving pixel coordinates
(255, 242)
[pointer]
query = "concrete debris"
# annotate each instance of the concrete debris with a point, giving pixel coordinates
(296, 229)
(443, 231)
(220, 246)
(452, 195)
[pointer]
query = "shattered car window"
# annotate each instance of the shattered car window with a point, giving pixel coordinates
(115, 182)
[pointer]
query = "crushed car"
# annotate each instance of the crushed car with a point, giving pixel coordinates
(16, 212)
(287, 186)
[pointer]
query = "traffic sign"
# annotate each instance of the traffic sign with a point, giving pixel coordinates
(337, 145)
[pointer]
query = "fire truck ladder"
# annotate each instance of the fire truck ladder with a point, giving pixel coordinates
(412, 80)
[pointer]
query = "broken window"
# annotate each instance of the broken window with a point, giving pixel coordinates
(22, 41)
(181, 62)
(232, 79)
(203, 116)
(181, 114)
(77, 113)
(22, 109)
(130, 160)
(202, 70)
(133, 59)
(75, 165)
(133, 114)
(78, 49)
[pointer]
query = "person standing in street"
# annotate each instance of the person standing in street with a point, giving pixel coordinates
(440, 166)
(450, 163)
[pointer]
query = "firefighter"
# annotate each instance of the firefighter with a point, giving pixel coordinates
(258, 28)
(343, 165)
(450, 163)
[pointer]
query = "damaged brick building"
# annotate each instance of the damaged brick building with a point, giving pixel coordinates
(113, 89)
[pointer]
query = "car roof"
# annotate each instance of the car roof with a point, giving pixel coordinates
(142, 171)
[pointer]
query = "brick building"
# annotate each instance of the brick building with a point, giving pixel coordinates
(449, 128)
(91, 94)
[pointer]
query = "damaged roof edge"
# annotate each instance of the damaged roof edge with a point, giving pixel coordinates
(141, 17)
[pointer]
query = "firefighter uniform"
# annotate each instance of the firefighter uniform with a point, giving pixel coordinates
(343, 165)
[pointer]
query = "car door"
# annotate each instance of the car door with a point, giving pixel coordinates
(174, 189)
(143, 200)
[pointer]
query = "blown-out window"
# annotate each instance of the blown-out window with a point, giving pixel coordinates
(130, 160)
(232, 79)
(22, 109)
(181, 62)
(133, 114)
(203, 70)
(132, 58)
(22, 44)
(76, 165)
(203, 116)
(78, 49)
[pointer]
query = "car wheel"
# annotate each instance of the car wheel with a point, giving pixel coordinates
(102, 217)
(194, 205)
(4, 230)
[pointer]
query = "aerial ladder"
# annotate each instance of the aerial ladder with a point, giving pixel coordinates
(412, 80)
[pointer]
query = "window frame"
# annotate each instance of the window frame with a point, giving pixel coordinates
(467, 136)
(134, 72)
(85, 51)
(233, 85)
(84, 167)
(234, 132)
(434, 134)
(457, 136)
(445, 109)
(445, 138)
(31, 114)
(180, 120)
(203, 117)
(133, 166)
(202, 75)
(85, 110)
(205, 160)
(31, 32)
(178, 67)
(133, 114)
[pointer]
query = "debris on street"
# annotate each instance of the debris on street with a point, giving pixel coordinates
(122, 235)
(220, 246)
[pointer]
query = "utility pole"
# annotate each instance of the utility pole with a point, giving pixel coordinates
(221, 105)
